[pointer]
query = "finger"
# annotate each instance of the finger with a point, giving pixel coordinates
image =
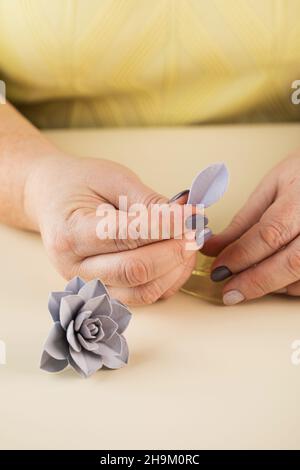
(292, 290)
(123, 183)
(276, 228)
(136, 267)
(183, 276)
(163, 287)
(248, 215)
(272, 274)
(180, 198)
(111, 230)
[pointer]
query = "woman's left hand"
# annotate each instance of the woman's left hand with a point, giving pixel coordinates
(261, 245)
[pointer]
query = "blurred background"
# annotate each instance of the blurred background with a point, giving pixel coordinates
(78, 63)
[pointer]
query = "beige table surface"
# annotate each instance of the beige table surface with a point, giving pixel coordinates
(200, 375)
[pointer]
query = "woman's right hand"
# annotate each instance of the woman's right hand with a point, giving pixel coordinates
(61, 198)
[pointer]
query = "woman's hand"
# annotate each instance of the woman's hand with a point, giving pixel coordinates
(261, 246)
(62, 196)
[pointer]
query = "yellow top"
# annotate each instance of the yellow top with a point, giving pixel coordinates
(81, 63)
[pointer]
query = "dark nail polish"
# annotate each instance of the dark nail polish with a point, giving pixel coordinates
(195, 221)
(220, 273)
(179, 195)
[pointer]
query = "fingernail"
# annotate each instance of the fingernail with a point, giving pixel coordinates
(220, 273)
(207, 234)
(202, 236)
(233, 297)
(179, 195)
(281, 291)
(196, 221)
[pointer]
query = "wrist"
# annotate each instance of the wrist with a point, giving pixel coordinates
(42, 174)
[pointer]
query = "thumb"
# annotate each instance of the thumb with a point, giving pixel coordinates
(139, 193)
(117, 180)
(173, 216)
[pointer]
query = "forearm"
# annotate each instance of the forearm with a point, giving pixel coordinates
(22, 146)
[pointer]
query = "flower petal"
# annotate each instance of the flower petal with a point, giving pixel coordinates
(91, 289)
(100, 335)
(93, 329)
(87, 344)
(115, 343)
(81, 317)
(49, 364)
(124, 351)
(75, 367)
(54, 303)
(71, 337)
(87, 362)
(109, 327)
(113, 362)
(120, 314)
(74, 285)
(69, 307)
(209, 185)
(85, 332)
(113, 346)
(56, 344)
(99, 305)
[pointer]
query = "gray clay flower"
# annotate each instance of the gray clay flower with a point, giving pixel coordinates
(87, 329)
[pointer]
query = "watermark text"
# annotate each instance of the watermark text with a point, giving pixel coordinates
(2, 92)
(295, 96)
(2, 353)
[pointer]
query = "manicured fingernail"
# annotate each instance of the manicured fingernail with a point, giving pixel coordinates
(207, 234)
(220, 273)
(202, 236)
(233, 297)
(179, 195)
(196, 221)
(281, 291)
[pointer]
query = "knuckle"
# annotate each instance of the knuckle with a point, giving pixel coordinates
(238, 253)
(293, 263)
(72, 233)
(153, 198)
(239, 221)
(55, 240)
(60, 244)
(149, 293)
(135, 272)
(125, 244)
(72, 243)
(63, 238)
(257, 286)
(65, 265)
(274, 234)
